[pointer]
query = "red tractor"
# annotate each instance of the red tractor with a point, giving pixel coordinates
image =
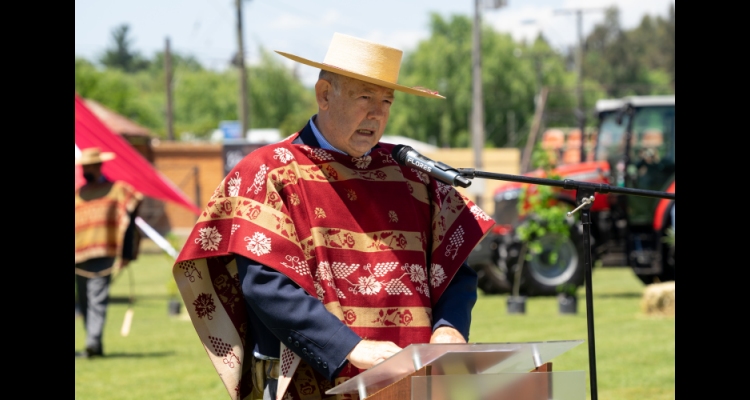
(634, 148)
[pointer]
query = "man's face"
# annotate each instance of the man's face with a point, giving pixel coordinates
(92, 172)
(353, 118)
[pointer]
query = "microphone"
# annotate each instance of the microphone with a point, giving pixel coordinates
(407, 156)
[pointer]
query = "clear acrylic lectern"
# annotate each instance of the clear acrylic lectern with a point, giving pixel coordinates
(471, 371)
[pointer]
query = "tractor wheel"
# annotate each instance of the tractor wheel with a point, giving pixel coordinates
(560, 263)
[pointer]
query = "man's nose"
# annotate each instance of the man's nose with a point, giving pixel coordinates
(377, 111)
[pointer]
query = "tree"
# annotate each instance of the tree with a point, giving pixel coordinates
(129, 95)
(121, 55)
(510, 84)
(278, 99)
(179, 62)
(635, 62)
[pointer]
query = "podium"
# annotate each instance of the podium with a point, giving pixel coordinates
(470, 371)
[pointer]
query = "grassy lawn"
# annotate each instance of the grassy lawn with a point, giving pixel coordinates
(162, 357)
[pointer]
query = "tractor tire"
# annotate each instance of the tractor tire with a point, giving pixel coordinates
(491, 276)
(665, 253)
(542, 276)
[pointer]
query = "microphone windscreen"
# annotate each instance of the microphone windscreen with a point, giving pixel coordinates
(399, 153)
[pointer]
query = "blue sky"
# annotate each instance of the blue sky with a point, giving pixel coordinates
(206, 28)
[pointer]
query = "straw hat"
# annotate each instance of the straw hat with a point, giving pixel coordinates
(93, 155)
(364, 60)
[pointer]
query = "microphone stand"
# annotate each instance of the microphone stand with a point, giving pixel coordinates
(584, 197)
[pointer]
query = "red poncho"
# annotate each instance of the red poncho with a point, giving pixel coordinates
(376, 242)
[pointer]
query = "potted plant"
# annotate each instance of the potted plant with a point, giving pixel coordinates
(544, 216)
(567, 299)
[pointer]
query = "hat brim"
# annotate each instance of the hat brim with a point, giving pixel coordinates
(106, 156)
(406, 89)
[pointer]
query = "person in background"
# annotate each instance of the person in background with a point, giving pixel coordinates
(320, 256)
(106, 240)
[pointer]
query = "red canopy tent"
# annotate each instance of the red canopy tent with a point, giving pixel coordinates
(128, 165)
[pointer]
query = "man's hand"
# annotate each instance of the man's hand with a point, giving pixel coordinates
(447, 334)
(368, 353)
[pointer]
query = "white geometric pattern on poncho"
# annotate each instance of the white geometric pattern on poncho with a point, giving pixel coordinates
(456, 240)
(383, 268)
(319, 290)
(437, 275)
(422, 176)
(234, 185)
(260, 177)
(283, 155)
(342, 270)
(388, 159)
(479, 213)
(320, 154)
(395, 286)
(259, 244)
(416, 272)
(442, 188)
(297, 265)
(323, 273)
(209, 238)
(362, 162)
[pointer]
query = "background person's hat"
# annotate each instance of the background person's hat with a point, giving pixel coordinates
(364, 60)
(93, 155)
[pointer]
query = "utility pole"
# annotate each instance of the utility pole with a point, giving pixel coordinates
(168, 74)
(243, 107)
(580, 112)
(477, 98)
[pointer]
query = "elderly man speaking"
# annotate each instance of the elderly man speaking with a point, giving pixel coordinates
(320, 256)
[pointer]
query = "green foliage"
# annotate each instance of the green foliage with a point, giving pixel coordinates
(131, 95)
(543, 214)
(282, 101)
(509, 84)
(202, 98)
(635, 62)
(567, 289)
(121, 55)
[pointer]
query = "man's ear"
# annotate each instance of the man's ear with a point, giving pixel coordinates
(323, 90)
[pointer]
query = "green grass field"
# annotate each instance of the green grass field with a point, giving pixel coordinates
(162, 357)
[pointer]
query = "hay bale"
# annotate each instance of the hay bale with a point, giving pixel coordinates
(658, 299)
